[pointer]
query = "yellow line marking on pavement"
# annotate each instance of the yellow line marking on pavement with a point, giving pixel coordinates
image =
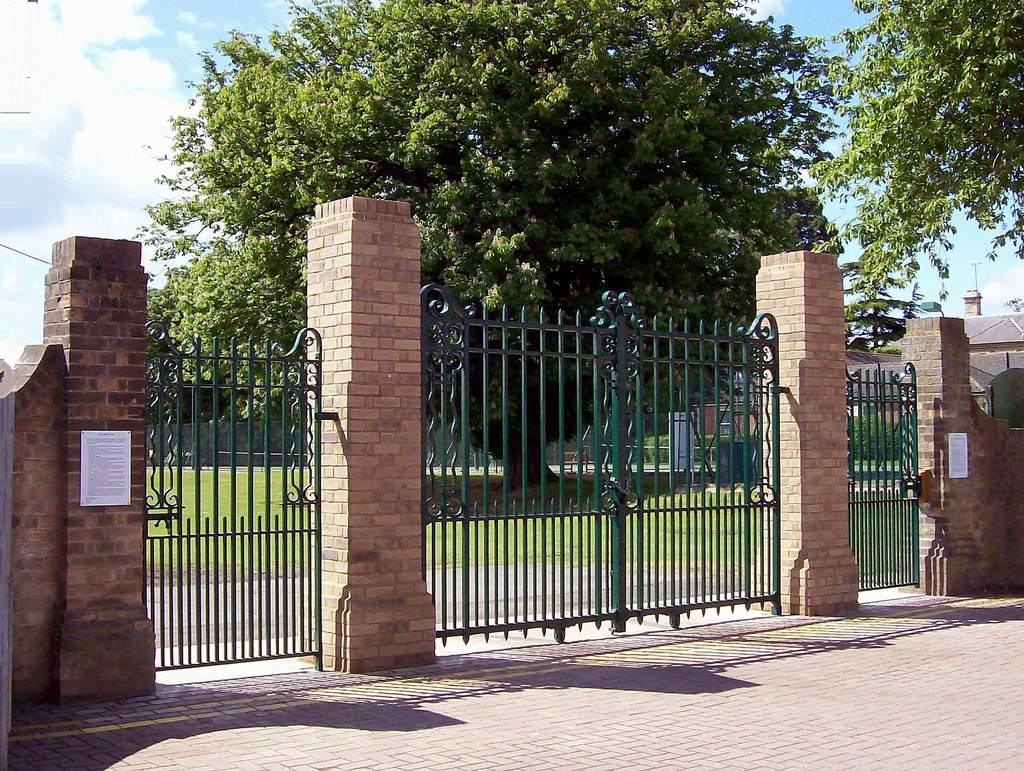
(396, 686)
(136, 724)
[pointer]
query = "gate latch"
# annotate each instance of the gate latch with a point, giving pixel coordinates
(919, 485)
(914, 484)
(622, 496)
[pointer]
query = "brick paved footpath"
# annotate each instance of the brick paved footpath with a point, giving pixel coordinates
(916, 682)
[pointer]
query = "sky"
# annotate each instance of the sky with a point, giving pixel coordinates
(86, 96)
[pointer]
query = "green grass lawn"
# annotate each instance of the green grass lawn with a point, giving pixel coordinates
(692, 537)
(884, 538)
(231, 519)
(225, 522)
(691, 525)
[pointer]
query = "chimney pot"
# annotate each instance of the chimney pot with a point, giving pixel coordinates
(972, 303)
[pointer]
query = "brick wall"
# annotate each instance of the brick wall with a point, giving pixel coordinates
(38, 528)
(363, 279)
(6, 479)
(804, 291)
(999, 454)
(972, 531)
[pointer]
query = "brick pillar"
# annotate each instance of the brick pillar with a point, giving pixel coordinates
(804, 291)
(363, 296)
(950, 552)
(96, 308)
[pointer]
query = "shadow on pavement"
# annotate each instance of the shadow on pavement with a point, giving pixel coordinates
(688, 661)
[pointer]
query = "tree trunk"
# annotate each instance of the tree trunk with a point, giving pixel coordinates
(536, 467)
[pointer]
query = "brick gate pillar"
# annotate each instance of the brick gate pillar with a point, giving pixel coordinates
(363, 280)
(950, 551)
(804, 291)
(95, 307)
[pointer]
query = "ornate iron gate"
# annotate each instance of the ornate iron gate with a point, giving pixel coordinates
(232, 525)
(597, 471)
(881, 407)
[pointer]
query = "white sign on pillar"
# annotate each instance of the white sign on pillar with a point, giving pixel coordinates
(958, 456)
(106, 478)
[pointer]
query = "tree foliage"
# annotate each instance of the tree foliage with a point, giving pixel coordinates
(875, 320)
(807, 222)
(933, 94)
(550, 150)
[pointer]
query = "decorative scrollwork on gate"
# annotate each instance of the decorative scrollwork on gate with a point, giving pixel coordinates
(164, 384)
(907, 384)
(443, 324)
(618, 325)
(763, 355)
(763, 333)
(302, 374)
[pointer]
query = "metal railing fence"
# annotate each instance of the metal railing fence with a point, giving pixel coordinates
(881, 407)
(632, 468)
(232, 525)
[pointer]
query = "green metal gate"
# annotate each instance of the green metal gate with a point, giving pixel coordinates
(596, 470)
(232, 525)
(881, 408)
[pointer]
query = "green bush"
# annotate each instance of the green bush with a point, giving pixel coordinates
(873, 439)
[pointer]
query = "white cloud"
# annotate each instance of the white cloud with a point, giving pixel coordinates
(1007, 285)
(189, 18)
(21, 293)
(86, 160)
(80, 24)
(187, 39)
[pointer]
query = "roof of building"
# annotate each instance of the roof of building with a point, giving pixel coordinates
(995, 331)
(887, 362)
(983, 330)
(985, 365)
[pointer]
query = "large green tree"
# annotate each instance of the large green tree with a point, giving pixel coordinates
(934, 101)
(550, 150)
